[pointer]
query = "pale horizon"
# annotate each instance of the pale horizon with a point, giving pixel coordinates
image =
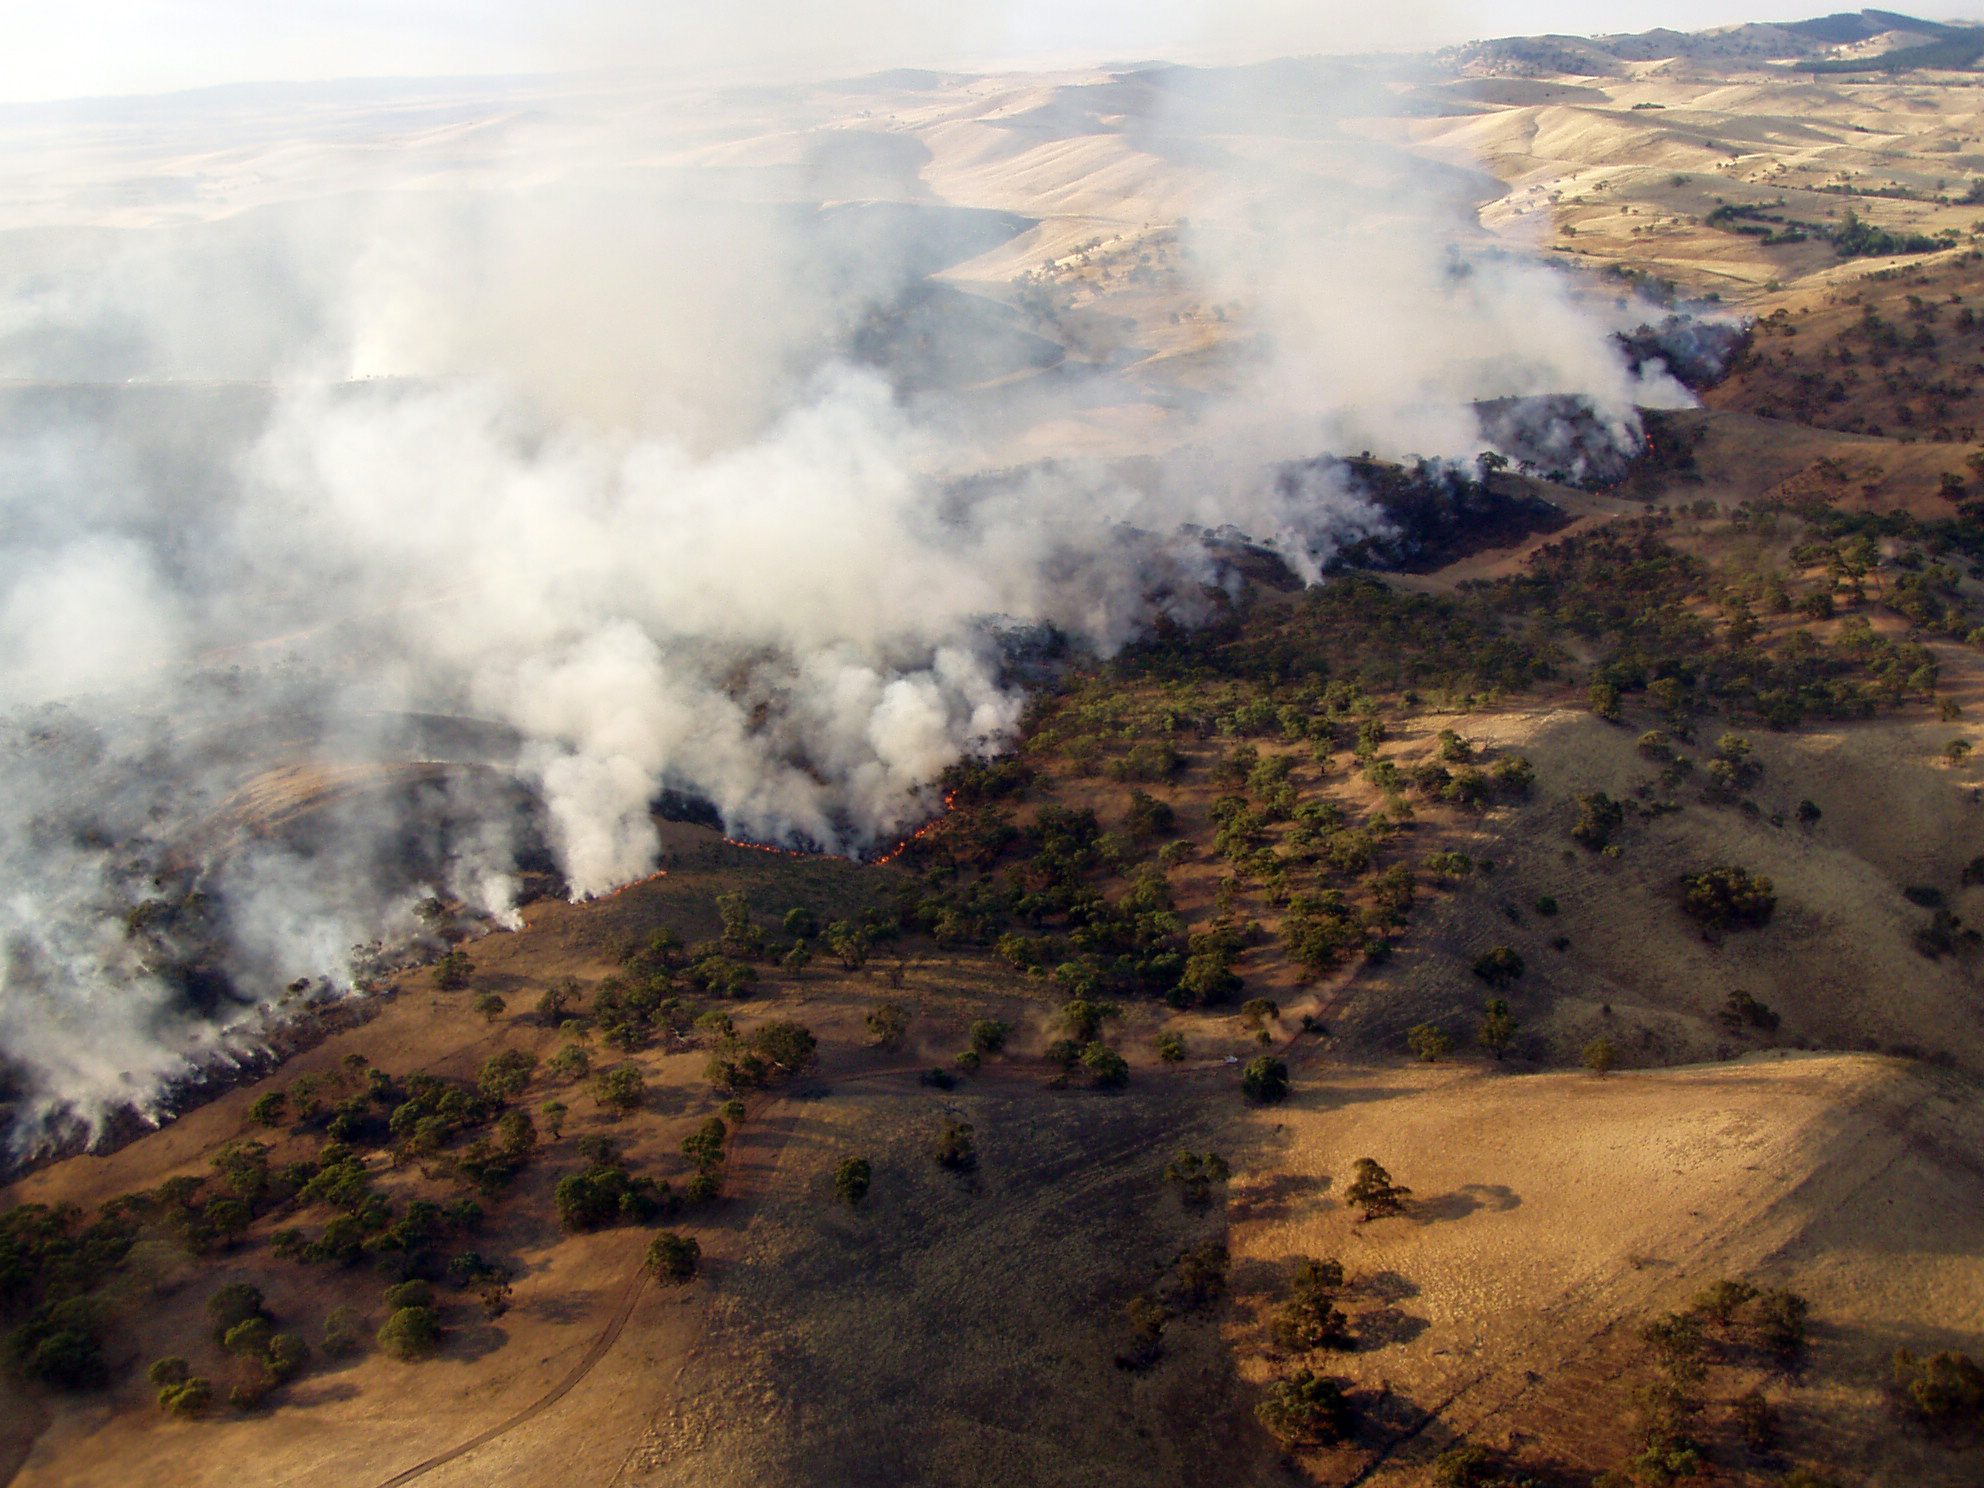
(121, 48)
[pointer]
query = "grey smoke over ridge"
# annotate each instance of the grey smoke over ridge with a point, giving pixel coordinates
(604, 436)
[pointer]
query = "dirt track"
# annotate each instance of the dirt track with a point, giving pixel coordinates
(762, 1160)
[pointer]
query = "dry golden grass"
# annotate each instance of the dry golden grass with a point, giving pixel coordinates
(962, 1331)
(1837, 961)
(1553, 1213)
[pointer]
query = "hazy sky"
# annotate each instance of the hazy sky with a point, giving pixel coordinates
(120, 46)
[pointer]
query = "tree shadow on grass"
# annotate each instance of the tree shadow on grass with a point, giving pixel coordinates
(1384, 1286)
(313, 1393)
(473, 1340)
(1384, 1326)
(1464, 1201)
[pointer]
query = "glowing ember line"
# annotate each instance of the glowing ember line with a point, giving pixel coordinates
(769, 847)
(950, 804)
(637, 883)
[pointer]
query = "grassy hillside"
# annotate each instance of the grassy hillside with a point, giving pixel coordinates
(1611, 879)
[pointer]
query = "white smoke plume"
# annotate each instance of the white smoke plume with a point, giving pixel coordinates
(467, 467)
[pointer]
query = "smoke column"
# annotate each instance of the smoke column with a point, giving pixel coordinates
(399, 482)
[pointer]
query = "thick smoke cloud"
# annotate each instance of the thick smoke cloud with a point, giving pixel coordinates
(376, 525)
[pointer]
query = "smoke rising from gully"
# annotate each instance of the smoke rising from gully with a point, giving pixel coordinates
(470, 465)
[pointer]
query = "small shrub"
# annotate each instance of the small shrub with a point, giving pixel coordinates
(1741, 1011)
(1372, 1190)
(189, 1398)
(703, 1186)
(570, 1063)
(411, 1334)
(1107, 1070)
(1498, 1027)
(286, 1356)
(1265, 1081)
(1430, 1042)
(673, 1259)
(1310, 1319)
(1195, 1174)
(1306, 1409)
(1728, 898)
(169, 1371)
(409, 1294)
(1948, 1386)
(250, 1336)
(888, 1023)
(1471, 1466)
(851, 1180)
(956, 1149)
(620, 1089)
(232, 1305)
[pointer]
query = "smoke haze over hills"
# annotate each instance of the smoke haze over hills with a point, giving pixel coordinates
(469, 464)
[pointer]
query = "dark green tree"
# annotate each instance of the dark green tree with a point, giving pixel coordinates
(1195, 1173)
(1429, 1042)
(1307, 1410)
(620, 1089)
(673, 1259)
(1498, 966)
(888, 1022)
(411, 1334)
(1498, 1027)
(1372, 1190)
(1265, 1081)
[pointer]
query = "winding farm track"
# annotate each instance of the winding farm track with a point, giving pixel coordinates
(601, 1346)
(630, 1296)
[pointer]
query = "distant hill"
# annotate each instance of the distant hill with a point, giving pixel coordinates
(1876, 40)
(1956, 51)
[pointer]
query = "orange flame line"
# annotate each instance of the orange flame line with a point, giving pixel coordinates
(769, 847)
(950, 804)
(635, 884)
